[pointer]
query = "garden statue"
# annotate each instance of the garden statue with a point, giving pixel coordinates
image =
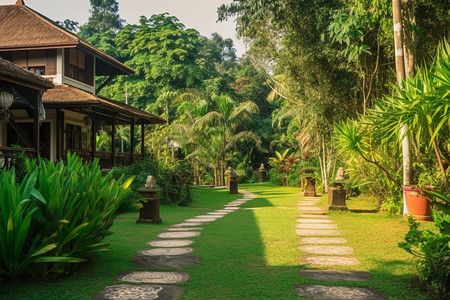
(340, 174)
(151, 182)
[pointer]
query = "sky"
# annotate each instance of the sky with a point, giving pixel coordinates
(198, 14)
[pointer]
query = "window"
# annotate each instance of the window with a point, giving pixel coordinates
(79, 66)
(40, 62)
(76, 139)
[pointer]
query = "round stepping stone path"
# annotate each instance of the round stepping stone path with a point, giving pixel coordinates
(170, 252)
(333, 275)
(316, 230)
(178, 234)
(329, 250)
(316, 226)
(170, 243)
(165, 261)
(165, 251)
(153, 277)
(137, 292)
(337, 292)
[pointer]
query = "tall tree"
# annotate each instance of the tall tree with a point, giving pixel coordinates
(104, 17)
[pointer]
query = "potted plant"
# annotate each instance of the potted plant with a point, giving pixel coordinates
(417, 198)
(307, 173)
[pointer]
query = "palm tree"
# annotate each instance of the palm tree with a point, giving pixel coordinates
(227, 124)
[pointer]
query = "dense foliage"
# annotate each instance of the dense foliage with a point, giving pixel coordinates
(58, 215)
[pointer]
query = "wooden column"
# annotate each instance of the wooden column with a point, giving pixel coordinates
(132, 139)
(113, 141)
(36, 121)
(142, 139)
(93, 136)
(59, 133)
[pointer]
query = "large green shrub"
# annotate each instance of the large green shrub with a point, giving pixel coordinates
(432, 249)
(61, 210)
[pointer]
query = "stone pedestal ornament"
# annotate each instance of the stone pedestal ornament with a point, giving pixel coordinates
(233, 182)
(262, 174)
(149, 212)
(337, 194)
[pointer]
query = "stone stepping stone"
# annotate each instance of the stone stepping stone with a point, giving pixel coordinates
(307, 203)
(322, 240)
(310, 216)
(218, 213)
(178, 234)
(226, 211)
(316, 226)
(174, 228)
(309, 208)
(333, 275)
(170, 243)
(165, 251)
(329, 260)
(165, 261)
(199, 220)
(337, 292)
(317, 232)
(138, 292)
(310, 221)
(188, 224)
(316, 212)
(153, 277)
(231, 208)
(329, 250)
(252, 208)
(209, 217)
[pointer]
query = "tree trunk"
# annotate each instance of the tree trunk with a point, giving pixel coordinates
(401, 75)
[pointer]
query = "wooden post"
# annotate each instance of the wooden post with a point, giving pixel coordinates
(142, 139)
(93, 136)
(36, 121)
(113, 141)
(132, 140)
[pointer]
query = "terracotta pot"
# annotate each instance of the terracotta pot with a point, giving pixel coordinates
(417, 203)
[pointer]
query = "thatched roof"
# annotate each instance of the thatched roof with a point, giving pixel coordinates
(12, 73)
(22, 28)
(64, 96)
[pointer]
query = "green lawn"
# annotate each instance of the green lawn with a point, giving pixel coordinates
(249, 254)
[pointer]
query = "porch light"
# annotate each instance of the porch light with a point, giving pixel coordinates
(6, 100)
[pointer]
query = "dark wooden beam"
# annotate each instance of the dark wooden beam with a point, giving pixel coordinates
(93, 135)
(113, 141)
(36, 121)
(22, 135)
(132, 140)
(104, 83)
(142, 139)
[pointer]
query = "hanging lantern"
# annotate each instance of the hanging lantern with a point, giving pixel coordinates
(6, 99)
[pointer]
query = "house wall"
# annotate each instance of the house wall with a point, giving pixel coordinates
(53, 63)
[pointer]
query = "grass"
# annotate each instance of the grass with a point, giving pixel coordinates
(249, 254)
